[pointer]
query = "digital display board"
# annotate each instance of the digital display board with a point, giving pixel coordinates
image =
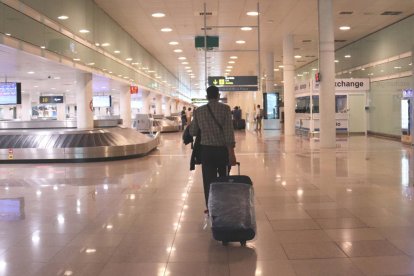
(51, 99)
(102, 101)
(232, 80)
(10, 93)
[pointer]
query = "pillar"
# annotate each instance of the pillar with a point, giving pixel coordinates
(158, 104)
(125, 106)
(145, 98)
(327, 71)
(26, 107)
(168, 103)
(61, 111)
(289, 84)
(173, 106)
(269, 73)
(84, 116)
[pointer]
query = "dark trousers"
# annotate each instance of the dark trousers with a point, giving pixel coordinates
(214, 162)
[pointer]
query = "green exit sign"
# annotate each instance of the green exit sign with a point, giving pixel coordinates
(212, 41)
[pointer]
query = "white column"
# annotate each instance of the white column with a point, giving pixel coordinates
(125, 106)
(327, 72)
(173, 106)
(180, 106)
(26, 107)
(61, 111)
(158, 105)
(269, 72)
(168, 103)
(146, 97)
(289, 84)
(84, 116)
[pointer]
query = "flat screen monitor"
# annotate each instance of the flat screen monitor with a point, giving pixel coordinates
(10, 93)
(102, 101)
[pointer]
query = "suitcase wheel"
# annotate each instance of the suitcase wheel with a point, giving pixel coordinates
(243, 243)
(225, 243)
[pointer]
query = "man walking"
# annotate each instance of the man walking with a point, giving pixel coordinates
(214, 120)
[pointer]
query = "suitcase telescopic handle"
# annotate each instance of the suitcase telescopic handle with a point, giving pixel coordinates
(238, 168)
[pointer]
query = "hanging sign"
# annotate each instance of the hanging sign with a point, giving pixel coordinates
(133, 89)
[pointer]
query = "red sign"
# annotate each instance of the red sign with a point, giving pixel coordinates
(133, 89)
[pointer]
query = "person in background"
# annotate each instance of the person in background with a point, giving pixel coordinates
(217, 138)
(183, 118)
(189, 115)
(258, 117)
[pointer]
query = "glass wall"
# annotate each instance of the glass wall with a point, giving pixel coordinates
(103, 46)
(385, 57)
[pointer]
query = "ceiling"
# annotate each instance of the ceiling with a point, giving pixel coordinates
(277, 18)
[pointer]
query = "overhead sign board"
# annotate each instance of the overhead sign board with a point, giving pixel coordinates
(348, 85)
(133, 89)
(51, 99)
(237, 88)
(232, 80)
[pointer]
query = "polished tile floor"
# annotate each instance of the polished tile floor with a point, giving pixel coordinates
(342, 211)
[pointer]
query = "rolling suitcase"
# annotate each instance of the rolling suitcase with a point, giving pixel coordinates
(231, 208)
(239, 124)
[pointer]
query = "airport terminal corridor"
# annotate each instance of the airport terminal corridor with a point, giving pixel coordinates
(342, 211)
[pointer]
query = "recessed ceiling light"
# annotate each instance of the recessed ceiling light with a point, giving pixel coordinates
(56, 78)
(76, 59)
(347, 56)
(232, 62)
(240, 41)
(336, 60)
(281, 66)
(229, 66)
(7, 34)
(84, 31)
(97, 44)
(173, 43)
(182, 58)
(43, 47)
(30, 72)
(362, 69)
(151, 71)
(166, 30)
(117, 51)
(252, 13)
(234, 57)
(178, 51)
(63, 17)
(158, 77)
(344, 28)
(91, 63)
(298, 56)
(314, 69)
(397, 67)
(187, 67)
(189, 71)
(246, 28)
(276, 69)
(106, 44)
(158, 14)
(128, 59)
(184, 62)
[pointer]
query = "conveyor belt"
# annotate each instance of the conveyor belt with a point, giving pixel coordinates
(82, 145)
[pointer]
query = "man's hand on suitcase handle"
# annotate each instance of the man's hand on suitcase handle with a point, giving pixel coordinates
(232, 156)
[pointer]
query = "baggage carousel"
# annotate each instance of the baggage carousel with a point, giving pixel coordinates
(74, 145)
